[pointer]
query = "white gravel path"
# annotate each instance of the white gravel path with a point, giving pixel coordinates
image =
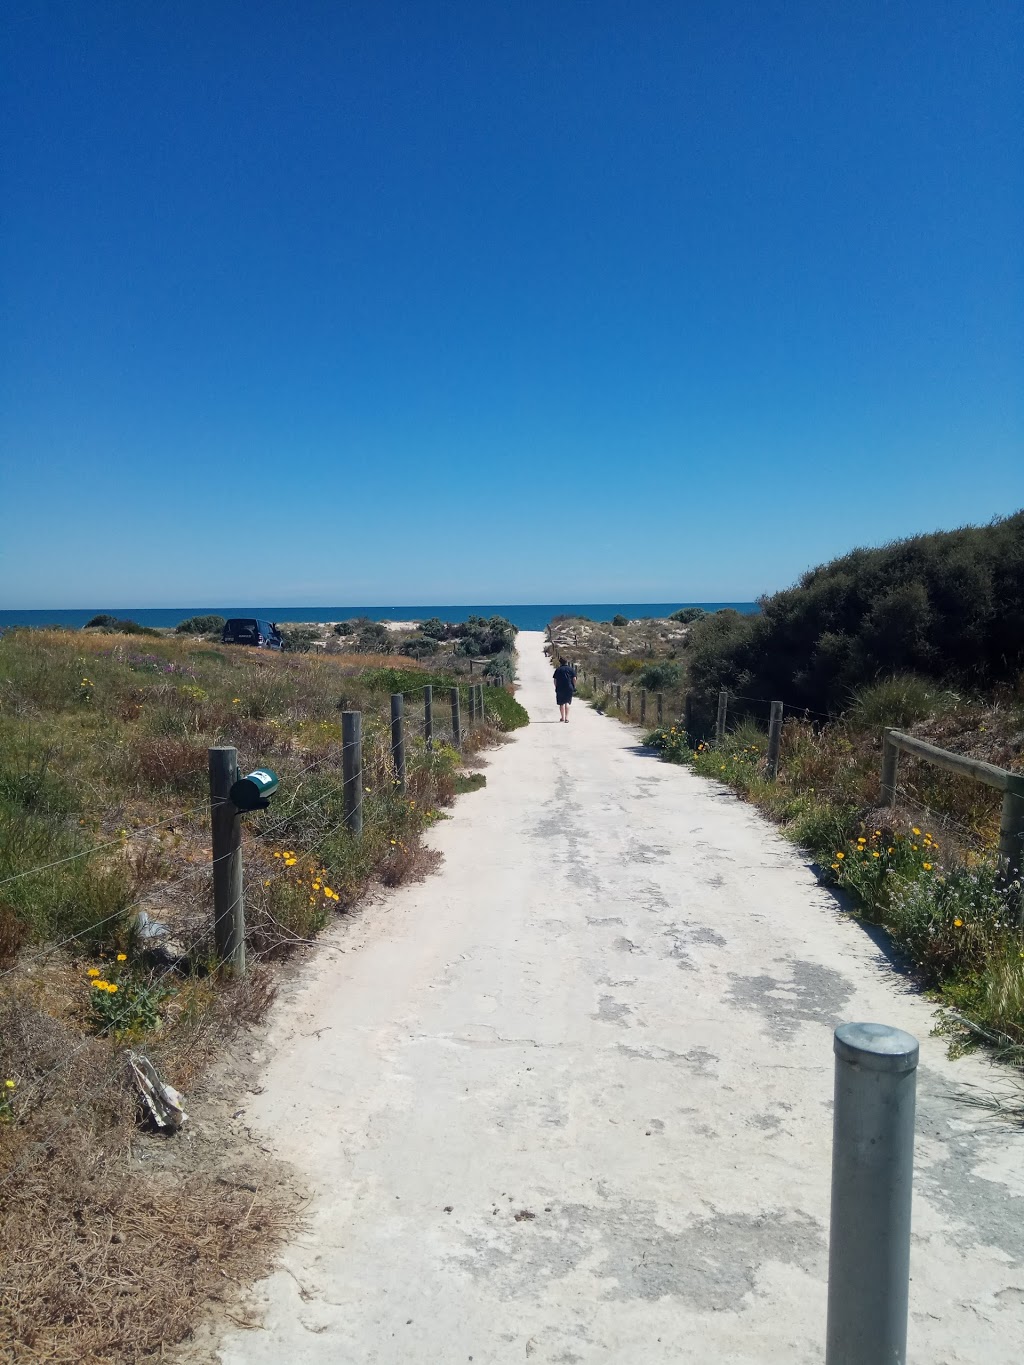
(570, 1099)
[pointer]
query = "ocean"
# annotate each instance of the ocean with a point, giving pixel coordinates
(527, 617)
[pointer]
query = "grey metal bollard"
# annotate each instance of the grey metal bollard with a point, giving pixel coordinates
(872, 1181)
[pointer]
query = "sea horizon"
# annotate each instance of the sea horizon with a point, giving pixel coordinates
(525, 616)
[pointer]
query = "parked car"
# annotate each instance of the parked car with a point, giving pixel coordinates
(246, 630)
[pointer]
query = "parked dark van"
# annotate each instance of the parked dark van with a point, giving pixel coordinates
(246, 630)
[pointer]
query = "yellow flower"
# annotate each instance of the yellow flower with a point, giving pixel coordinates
(876, 855)
(277, 855)
(10, 1084)
(835, 867)
(927, 867)
(235, 701)
(290, 862)
(915, 830)
(959, 923)
(100, 985)
(111, 988)
(122, 957)
(914, 847)
(840, 856)
(93, 971)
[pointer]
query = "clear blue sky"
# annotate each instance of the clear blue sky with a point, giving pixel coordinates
(377, 301)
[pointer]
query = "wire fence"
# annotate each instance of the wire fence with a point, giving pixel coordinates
(448, 727)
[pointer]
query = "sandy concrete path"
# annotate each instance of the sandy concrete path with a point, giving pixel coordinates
(570, 1100)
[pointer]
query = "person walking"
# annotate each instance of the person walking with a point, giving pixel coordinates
(565, 685)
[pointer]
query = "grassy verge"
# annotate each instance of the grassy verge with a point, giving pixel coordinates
(104, 835)
(925, 870)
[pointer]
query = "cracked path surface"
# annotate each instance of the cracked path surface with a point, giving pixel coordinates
(571, 1098)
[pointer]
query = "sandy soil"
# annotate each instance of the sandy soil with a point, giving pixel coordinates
(570, 1100)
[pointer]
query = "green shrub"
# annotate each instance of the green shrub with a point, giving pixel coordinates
(114, 626)
(201, 625)
(502, 706)
(374, 638)
(478, 635)
(687, 615)
(501, 666)
(404, 680)
(673, 743)
(619, 620)
(420, 647)
(660, 677)
(898, 701)
(822, 827)
(947, 607)
(299, 639)
(951, 923)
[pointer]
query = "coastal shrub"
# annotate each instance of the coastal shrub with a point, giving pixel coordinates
(951, 922)
(898, 701)
(687, 615)
(947, 607)
(374, 638)
(420, 647)
(479, 635)
(501, 666)
(113, 625)
(502, 706)
(299, 639)
(619, 620)
(660, 677)
(201, 625)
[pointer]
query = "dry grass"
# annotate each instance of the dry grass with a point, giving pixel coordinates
(111, 1245)
(111, 1238)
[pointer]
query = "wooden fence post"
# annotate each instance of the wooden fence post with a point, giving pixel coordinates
(226, 842)
(890, 762)
(456, 718)
(723, 711)
(661, 708)
(428, 717)
(352, 768)
(643, 705)
(774, 739)
(1011, 830)
(398, 738)
(629, 701)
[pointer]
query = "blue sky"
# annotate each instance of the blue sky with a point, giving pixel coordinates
(469, 301)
